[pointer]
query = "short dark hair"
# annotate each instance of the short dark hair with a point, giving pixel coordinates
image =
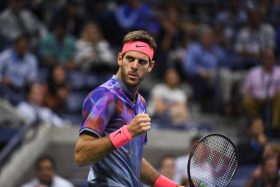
(22, 36)
(43, 158)
(140, 35)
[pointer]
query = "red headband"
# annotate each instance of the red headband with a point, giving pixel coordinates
(138, 46)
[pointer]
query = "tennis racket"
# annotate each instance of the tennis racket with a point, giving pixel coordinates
(213, 162)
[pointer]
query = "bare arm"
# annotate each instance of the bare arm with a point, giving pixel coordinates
(90, 149)
(148, 173)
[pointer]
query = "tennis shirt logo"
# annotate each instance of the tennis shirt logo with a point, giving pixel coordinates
(118, 133)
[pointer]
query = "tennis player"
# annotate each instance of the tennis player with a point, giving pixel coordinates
(114, 127)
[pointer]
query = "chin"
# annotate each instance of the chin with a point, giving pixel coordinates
(130, 82)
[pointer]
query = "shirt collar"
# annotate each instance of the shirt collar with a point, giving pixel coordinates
(125, 89)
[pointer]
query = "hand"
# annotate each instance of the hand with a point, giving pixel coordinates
(139, 124)
(203, 73)
(257, 173)
(262, 139)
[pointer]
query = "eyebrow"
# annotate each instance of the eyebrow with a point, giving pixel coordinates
(139, 59)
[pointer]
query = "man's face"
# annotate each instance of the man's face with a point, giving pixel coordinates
(37, 95)
(45, 172)
(257, 127)
(168, 167)
(134, 66)
(268, 59)
(22, 46)
(270, 167)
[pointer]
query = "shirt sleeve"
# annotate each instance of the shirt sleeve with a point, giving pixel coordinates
(98, 108)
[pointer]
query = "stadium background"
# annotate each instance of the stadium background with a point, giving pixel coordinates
(67, 71)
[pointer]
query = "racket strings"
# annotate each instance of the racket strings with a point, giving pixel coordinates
(214, 162)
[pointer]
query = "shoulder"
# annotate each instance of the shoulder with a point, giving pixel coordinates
(255, 71)
(160, 87)
(99, 94)
(31, 58)
(59, 181)
(244, 32)
(6, 53)
(70, 39)
(27, 14)
(277, 69)
(48, 39)
(5, 14)
(31, 183)
(267, 27)
(195, 46)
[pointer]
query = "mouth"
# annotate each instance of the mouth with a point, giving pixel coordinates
(132, 75)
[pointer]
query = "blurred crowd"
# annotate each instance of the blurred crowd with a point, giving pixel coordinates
(52, 53)
(226, 52)
(255, 153)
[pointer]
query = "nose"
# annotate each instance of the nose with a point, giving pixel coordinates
(134, 64)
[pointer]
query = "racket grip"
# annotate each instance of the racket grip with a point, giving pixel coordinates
(120, 137)
(163, 181)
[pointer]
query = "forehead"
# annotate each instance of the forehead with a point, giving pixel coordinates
(137, 54)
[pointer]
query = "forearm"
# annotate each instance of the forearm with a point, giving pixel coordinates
(152, 177)
(90, 150)
(148, 173)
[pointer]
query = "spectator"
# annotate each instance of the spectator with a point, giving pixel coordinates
(229, 21)
(18, 67)
(15, 21)
(170, 36)
(207, 67)
(266, 174)
(167, 166)
(261, 89)
(251, 148)
(93, 50)
(254, 38)
(58, 89)
(181, 173)
(271, 149)
(70, 12)
(58, 47)
(134, 14)
(33, 109)
(45, 170)
(168, 103)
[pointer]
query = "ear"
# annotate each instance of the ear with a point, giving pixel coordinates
(151, 66)
(120, 59)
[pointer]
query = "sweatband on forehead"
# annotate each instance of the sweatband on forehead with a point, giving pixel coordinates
(140, 47)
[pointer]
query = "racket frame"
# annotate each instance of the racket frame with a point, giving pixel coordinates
(193, 151)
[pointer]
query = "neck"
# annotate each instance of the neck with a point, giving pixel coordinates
(132, 89)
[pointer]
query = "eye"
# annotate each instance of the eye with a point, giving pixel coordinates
(142, 62)
(129, 58)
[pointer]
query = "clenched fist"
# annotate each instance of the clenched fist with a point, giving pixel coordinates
(139, 124)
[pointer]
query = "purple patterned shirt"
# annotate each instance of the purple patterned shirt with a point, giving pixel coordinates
(106, 109)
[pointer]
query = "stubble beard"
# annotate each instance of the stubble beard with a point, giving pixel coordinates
(125, 78)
